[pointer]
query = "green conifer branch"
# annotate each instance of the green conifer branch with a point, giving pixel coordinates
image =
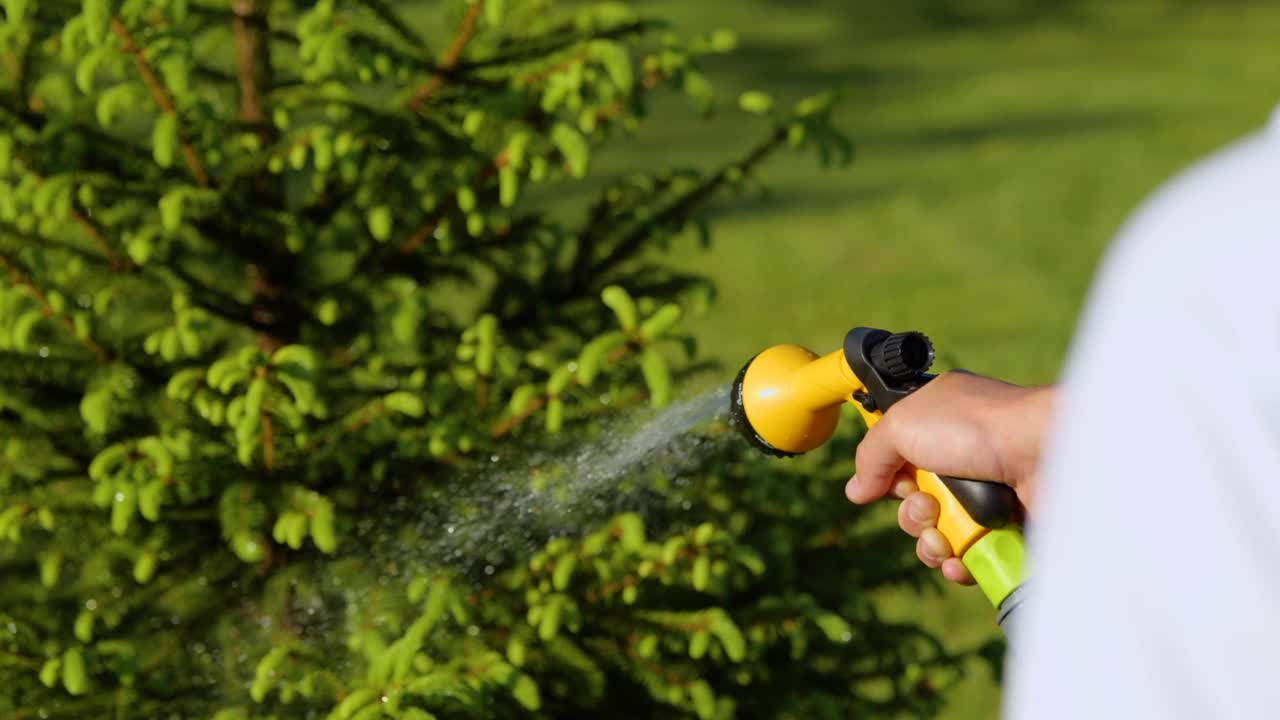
(94, 233)
(553, 41)
(160, 95)
(451, 56)
(21, 240)
(511, 422)
(26, 370)
(387, 14)
(679, 211)
(20, 277)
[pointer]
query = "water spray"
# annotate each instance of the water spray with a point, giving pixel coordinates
(787, 401)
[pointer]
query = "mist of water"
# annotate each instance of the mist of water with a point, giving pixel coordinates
(481, 520)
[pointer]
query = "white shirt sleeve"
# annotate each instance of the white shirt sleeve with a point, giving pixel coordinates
(1155, 546)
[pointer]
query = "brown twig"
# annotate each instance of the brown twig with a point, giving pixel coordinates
(160, 95)
(613, 109)
(265, 311)
(373, 412)
(419, 237)
(98, 239)
(268, 442)
(509, 423)
(544, 73)
(465, 31)
(20, 280)
(253, 66)
(89, 228)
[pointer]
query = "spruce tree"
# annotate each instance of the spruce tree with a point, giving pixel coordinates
(279, 288)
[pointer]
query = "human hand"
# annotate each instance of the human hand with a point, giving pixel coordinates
(961, 425)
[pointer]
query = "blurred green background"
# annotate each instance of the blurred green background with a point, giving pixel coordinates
(1000, 145)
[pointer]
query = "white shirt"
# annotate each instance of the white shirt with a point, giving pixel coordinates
(1155, 553)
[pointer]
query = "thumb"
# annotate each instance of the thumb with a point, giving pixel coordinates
(877, 464)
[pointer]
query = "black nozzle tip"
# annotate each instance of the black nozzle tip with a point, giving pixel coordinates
(903, 355)
(738, 419)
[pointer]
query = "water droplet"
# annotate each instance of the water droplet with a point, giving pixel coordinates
(43, 351)
(493, 458)
(573, 366)
(604, 399)
(473, 631)
(686, 504)
(385, 698)
(449, 529)
(90, 604)
(488, 569)
(846, 637)
(119, 497)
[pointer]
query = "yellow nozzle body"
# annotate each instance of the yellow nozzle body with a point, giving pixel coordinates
(791, 397)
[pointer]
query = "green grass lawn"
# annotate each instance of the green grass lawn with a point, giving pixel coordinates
(997, 156)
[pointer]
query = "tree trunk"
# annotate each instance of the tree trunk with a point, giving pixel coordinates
(268, 278)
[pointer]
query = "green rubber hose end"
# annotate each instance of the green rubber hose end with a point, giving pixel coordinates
(997, 562)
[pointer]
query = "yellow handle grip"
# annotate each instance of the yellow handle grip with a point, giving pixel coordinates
(954, 522)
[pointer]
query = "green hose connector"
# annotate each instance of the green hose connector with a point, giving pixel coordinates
(997, 562)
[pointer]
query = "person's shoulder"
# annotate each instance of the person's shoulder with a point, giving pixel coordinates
(1220, 212)
(1238, 176)
(1241, 175)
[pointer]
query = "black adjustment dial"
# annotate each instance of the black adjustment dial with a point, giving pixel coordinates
(903, 355)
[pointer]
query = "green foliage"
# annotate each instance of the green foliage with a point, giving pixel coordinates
(229, 365)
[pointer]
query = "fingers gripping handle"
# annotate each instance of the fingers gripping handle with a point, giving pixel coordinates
(977, 518)
(955, 522)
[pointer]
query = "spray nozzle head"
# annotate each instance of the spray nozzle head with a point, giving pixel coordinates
(740, 421)
(786, 400)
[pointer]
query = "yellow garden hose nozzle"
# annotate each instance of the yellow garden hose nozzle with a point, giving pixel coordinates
(786, 401)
